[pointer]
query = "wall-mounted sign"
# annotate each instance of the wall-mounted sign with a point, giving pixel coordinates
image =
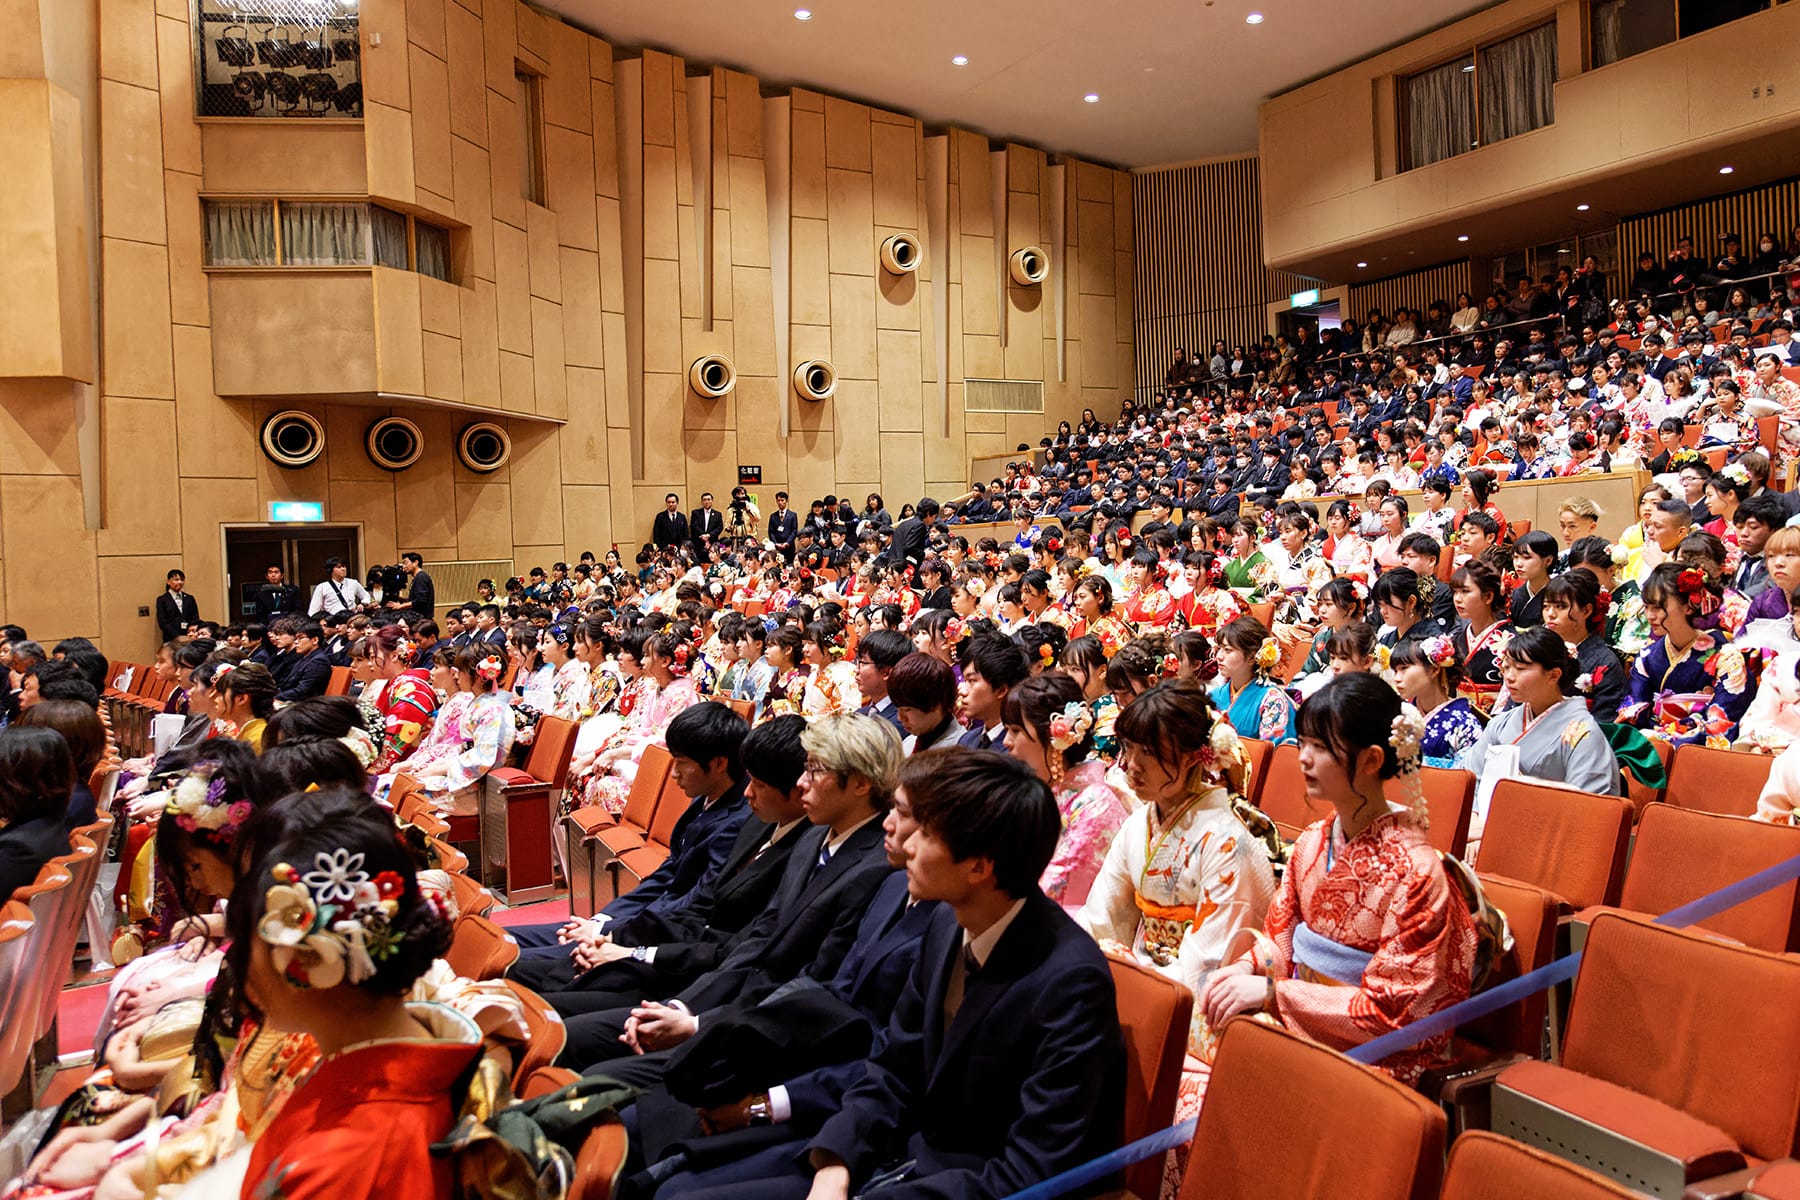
(1302, 299)
(749, 474)
(296, 510)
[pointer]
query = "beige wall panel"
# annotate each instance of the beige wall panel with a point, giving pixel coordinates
(512, 280)
(701, 414)
(1022, 220)
(483, 520)
(253, 340)
(384, 67)
(371, 505)
(712, 460)
(812, 469)
(140, 487)
(606, 137)
(127, 41)
(612, 263)
(662, 236)
(853, 326)
(984, 422)
(974, 180)
(618, 396)
(747, 218)
(979, 286)
(806, 418)
(982, 357)
(187, 282)
(1024, 168)
(981, 444)
(480, 344)
(1122, 231)
(1098, 363)
(846, 134)
(896, 157)
(806, 100)
(534, 37)
(42, 528)
(851, 208)
(37, 427)
(810, 274)
(389, 169)
(898, 302)
(587, 520)
(126, 584)
(808, 163)
(426, 494)
(139, 360)
(425, 25)
(1092, 182)
(947, 457)
(463, 52)
(505, 150)
(569, 161)
(544, 260)
(547, 363)
(858, 414)
(500, 36)
(537, 516)
(759, 423)
(665, 449)
(474, 204)
(205, 505)
(659, 99)
(901, 389)
(346, 450)
(743, 108)
(753, 328)
(440, 306)
(902, 468)
(567, 100)
(688, 238)
(582, 442)
(443, 367)
(518, 383)
(662, 319)
(1025, 335)
(399, 351)
(175, 81)
(431, 122)
(214, 436)
(1093, 225)
(582, 333)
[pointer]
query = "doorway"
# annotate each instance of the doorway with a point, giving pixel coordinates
(300, 552)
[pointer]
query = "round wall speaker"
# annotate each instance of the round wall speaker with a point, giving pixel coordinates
(815, 379)
(712, 376)
(394, 443)
(900, 254)
(483, 446)
(1030, 265)
(292, 438)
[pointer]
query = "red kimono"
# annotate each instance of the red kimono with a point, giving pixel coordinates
(1150, 608)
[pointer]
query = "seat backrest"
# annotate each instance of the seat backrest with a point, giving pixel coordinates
(1256, 1140)
(470, 896)
(1450, 802)
(339, 683)
(1531, 918)
(1283, 795)
(551, 749)
(547, 1033)
(647, 786)
(1154, 1015)
(669, 808)
(1698, 1024)
(1258, 752)
(1566, 842)
(1682, 855)
(44, 896)
(1717, 781)
(1642, 796)
(480, 949)
(104, 783)
(15, 944)
(743, 708)
(449, 858)
(1486, 1166)
(83, 865)
(543, 1081)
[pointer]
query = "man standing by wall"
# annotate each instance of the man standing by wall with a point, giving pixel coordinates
(421, 594)
(784, 525)
(670, 529)
(705, 524)
(176, 611)
(339, 593)
(275, 597)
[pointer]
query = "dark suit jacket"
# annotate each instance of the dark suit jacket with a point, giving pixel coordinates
(704, 522)
(698, 846)
(977, 739)
(909, 542)
(809, 927)
(306, 677)
(885, 709)
(274, 599)
(784, 526)
(669, 529)
(421, 595)
(1027, 1081)
(174, 618)
(26, 847)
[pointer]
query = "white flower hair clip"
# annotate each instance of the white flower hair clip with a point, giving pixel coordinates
(1071, 726)
(332, 924)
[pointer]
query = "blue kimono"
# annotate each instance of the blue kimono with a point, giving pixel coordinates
(1450, 730)
(1261, 710)
(1697, 696)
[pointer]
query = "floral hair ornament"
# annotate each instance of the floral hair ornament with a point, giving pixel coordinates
(333, 924)
(1047, 654)
(1406, 737)
(1738, 473)
(955, 631)
(1267, 655)
(407, 651)
(361, 745)
(200, 803)
(1439, 651)
(1691, 583)
(489, 668)
(1071, 726)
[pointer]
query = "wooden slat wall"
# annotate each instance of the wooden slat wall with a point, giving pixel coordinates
(1200, 273)
(1415, 289)
(1773, 208)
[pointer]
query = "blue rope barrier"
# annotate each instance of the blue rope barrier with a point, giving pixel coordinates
(1494, 999)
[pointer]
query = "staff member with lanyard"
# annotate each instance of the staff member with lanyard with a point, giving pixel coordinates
(339, 593)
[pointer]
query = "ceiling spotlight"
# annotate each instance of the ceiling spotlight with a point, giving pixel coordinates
(1362, 264)
(803, 14)
(1254, 18)
(1581, 208)
(1462, 237)
(961, 60)
(1726, 170)
(1092, 97)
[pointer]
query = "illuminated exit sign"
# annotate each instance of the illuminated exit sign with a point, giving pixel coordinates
(296, 510)
(1303, 299)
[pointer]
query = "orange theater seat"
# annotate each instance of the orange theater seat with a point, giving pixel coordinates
(1154, 1015)
(480, 949)
(1717, 781)
(1568, 843)
(1485, 1166)
(1283, 794)
(1258, 752)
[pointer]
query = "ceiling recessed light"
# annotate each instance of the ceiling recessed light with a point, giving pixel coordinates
(1726, 170)
(1581, 208)
(1254, 18)
(1362, 264)
(803, 14)
(1462, 237)
(1092, 97)
(961, 60)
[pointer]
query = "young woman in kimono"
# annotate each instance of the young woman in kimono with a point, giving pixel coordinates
(1050, 728)
(1184, 876)
(405, 702)
(786, 693)
(487, 732)
(1095, 617)
(1254, 703)
(1338, 604)
(1306, 571)
(1689, 685)
(1208, 603)
(1366, 933)
(1349, 555)
(831, 688)
(669, 658)
(1086, 663)
(328, 932)
(1249, 572)
(1575, 611)
(1482, 634)
(1426, 674)
(570, 684)
(1149, 606)
(445, 738)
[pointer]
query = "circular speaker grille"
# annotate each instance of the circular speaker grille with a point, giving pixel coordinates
(815, 379)
(712, 376)
(1029, 265)
(394, 443)
(293, 438)
(483, 446)
(900, 254)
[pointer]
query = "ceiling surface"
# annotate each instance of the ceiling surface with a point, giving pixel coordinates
(1177, 80)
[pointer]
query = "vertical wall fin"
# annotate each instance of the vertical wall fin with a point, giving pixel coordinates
(700, 151)
(778, 184)
(997, 168)
(1059, 240)
(628, 112)
(937, 233)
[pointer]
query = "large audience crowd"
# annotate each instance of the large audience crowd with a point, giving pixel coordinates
(941, 763)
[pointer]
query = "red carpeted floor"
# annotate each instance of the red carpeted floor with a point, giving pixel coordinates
(532, 914)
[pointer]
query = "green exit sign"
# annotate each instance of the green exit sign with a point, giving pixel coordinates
(296, 510)
(1302, 299)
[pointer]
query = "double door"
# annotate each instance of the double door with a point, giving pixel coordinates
(300, 552)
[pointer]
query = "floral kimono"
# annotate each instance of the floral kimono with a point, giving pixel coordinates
(1694, 695)
(570, 690)
(787, 693)
(405, 709)
(1481, 682)
(1627, 628)
(1253, 577)
(1352, 558)
(1151, 607)
(831, 689)
(651, 717)
(1110, 631)
(444, 740)
(488, 733)
(1261, 710)
(1207, 609)
(1091, 815)
(1300, 581)
(1450, 729)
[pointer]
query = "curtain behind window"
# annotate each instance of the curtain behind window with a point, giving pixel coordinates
(390, 239)
(240, 233)
(1608, 31)
(1440, 112)
(433, 247)
(325, 235)
(1518, 78)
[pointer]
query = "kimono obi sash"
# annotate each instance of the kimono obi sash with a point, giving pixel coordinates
(1164, 926)
(1318, 959)
(1481, 696)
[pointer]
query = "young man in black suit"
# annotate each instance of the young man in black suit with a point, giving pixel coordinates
(176, 611)
(908, 545)
(784, 526)
(308, 673)
(876, 656)
(705, 525)
(670, 529)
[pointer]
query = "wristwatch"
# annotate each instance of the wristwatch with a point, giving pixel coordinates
(759, 1111)
(641, 953)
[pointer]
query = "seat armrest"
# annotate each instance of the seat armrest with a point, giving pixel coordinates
(508, 777)
(1723, 1187)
